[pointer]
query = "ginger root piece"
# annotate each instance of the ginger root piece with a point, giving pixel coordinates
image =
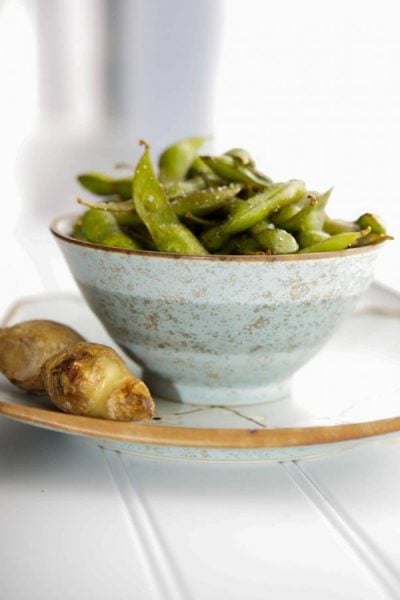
(92, 380)
(26, 346)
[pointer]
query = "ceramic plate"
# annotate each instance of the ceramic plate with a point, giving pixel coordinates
(349, 393)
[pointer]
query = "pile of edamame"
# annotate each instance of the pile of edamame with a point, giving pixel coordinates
(199, 205)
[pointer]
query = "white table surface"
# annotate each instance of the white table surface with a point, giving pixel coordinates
(78, 521)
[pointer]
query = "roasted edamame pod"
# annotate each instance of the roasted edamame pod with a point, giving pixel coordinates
(276, 241)
(241, 244)
(242, 155)
(101, 227)
(104, 185)
(176, 160)
(320, 200)
(120, 206)
(77, 232)
(310, 217)
(372, 221)
(334, 243)
(203, 202)
(280, 216)
(123, 211)
(230, 168)
(308, 237)
(371, 239)
(153, 207)
(251, 211)
(334, 226)
(261, 226)
(194, 184)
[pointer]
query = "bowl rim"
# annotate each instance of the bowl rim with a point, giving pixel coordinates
(263, 258)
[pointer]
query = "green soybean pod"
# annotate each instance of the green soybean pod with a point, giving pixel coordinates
(123, 211)
(242, 155)
(277, 241)
(372, 221)
(372, 238)
(203, 202)
(118, 239)
(249, 212)
(310, 217)
(340, 241)
(334, 226)
(261, 226)
(121, 206)
(176, 160)
(279, 217)
(194, 184)
(321, 199)
(77, 232)
(101, 227)
(104, 185)
(128, 219)
(230, 168)
(153, 207)
(308, 237)
(241, 244)
(199, 167)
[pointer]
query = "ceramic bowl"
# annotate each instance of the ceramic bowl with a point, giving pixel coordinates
(219, 330)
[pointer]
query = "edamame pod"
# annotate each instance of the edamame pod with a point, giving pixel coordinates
(241, 244)
(337, 242)
(176, 160)
(230, 168)
(321, 199)
(372, 221)
(104, 185)
(242, 155)
(285, 213)
(153, 207)
(77, 232)
(249, 212)
(310, 217)
(194, 184)
(203, 202)
(261, 226)
(372, 239)
(124, 211)
(101, 227)
(276, 241)
(198, 167)
(122, 206)
(308, 237)
(334, 226)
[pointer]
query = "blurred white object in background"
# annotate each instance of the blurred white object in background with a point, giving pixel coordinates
(17, 111)
(109, 72)
(310, 88)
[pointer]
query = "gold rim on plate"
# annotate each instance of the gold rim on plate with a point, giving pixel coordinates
(191, 437)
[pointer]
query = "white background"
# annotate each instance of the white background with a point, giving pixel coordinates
(311, 88)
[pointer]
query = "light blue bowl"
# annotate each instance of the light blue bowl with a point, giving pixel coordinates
(223, 330)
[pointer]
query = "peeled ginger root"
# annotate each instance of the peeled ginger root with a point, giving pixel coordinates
(92, 380)
(26, 346)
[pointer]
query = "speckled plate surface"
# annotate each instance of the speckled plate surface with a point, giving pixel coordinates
(348, 394)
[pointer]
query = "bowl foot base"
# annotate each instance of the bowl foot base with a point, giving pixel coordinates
(216, 396)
